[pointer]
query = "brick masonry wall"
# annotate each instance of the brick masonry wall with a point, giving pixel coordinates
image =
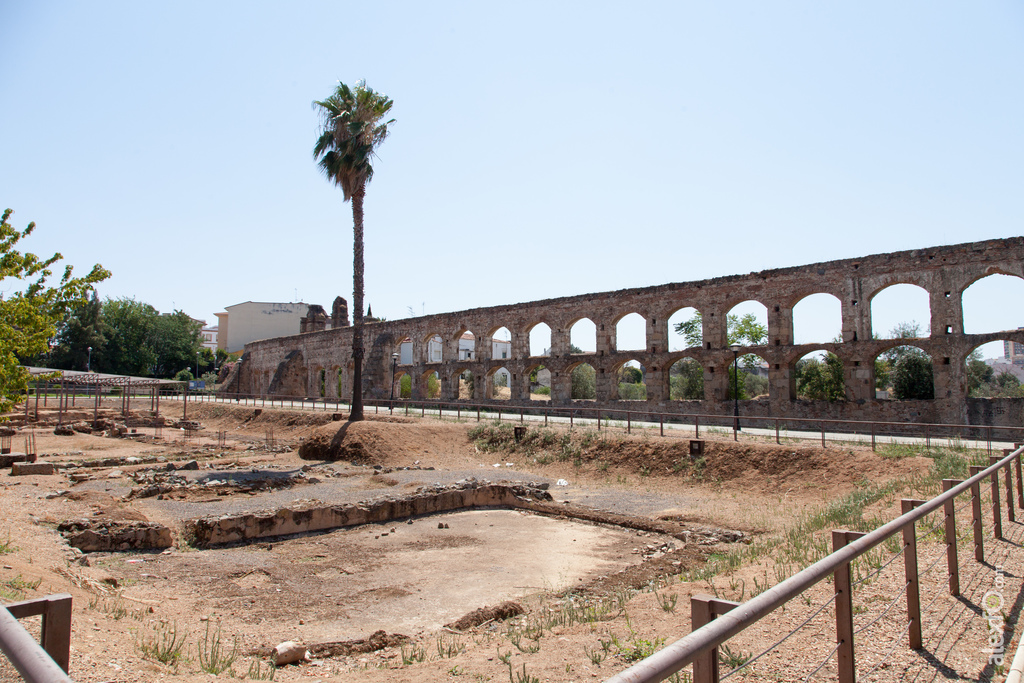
(319, 363)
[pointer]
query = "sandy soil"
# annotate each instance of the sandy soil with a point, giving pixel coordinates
(344, 585)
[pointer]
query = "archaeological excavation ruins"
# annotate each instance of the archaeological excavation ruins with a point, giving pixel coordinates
(281, 542)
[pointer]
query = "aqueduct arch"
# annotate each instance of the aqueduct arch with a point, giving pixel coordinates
(943, 272)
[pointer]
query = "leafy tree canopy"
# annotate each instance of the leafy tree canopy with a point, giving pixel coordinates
(30, 313)
(744, 330)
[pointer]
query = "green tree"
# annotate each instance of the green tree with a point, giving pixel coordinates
(886, 361)
(1008, 383)
(81, 330)
(129, 327)
(30, 308)
(686, 380)
(821, 380)
(979, 373)
(744, 330)
(352, 128)
(175, 340)
(630, 375)
(584, 382)
(912, 377)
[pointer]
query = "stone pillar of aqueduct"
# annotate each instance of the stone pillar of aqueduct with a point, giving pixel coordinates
(318, 364)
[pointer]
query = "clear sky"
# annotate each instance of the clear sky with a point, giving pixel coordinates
(541, 149)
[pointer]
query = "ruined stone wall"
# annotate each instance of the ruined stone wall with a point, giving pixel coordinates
(319, 363)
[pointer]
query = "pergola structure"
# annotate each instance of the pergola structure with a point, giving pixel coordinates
(67, 380)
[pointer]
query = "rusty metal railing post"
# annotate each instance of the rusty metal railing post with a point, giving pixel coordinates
(703, 610)
(823, 434)
(844, 609)
(952, 562)
(1020, 483)
(997, 515)
(56, 637)
(696, 425)
(1010, 514)
(872, 436)
(979, 543)
(777, 431)
(661, 423)
(910, 567)
(629, 423)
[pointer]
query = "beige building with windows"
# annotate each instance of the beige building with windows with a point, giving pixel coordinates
(254, 320)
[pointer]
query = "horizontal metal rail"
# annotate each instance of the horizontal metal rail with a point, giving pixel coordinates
(46, 663)
(684, 651)
(926, 430)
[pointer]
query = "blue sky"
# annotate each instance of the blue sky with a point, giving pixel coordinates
(541, 149)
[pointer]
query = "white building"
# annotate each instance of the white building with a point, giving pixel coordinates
(254, 320)
(209, 338)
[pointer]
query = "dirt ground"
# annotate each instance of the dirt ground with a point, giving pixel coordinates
(331, 591)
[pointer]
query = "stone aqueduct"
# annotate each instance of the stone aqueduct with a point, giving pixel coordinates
(318, 363)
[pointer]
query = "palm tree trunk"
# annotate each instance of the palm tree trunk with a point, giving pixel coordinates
(356, 413)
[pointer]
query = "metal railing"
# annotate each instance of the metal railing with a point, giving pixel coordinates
(48, 662)
(670, 422)
(715, 621)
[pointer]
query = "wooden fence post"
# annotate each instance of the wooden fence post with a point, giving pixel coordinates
(952, 563)
(910, 567)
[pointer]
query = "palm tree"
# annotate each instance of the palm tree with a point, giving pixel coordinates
(351, 131)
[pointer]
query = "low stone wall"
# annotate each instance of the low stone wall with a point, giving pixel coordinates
(210, 531)
(92, 537)
(469, 493)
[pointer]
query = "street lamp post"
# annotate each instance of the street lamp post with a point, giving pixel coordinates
(394, 366)
(735, 390)
(88, 360)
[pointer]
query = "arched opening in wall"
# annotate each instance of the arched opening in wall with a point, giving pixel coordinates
(631, 333)
(403, 384)
(583, 380)
(431, 387)
(904, 373)
(985, 309)
(751, 379)
(747, 324)
(334, 382)
(583, 336)
(499, 384)
(321, 384)
(632, 381)
(433, 348)
(686, 380)
(404, 351)
(466, 345)
(901, 312)
(818, 319)
(501, 344)
(463, 388)
(685, 329)
(818, 376)
(540, 340)
(996, 376)
(540, 382)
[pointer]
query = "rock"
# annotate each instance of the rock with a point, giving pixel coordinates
(8, 431)
(63, 430)
(82, 427)
(27, 468)
(289, 652)
(190, 465)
